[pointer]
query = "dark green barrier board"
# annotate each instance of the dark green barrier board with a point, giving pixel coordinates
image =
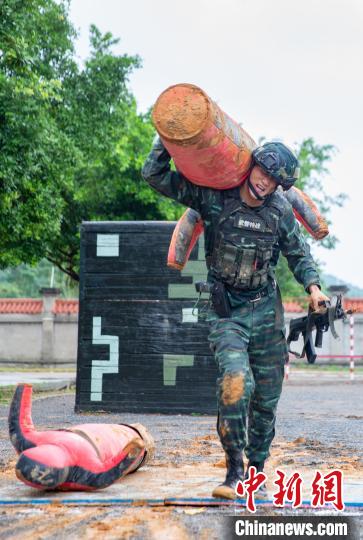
(140, 347)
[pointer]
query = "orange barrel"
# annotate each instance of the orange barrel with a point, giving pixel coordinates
(207, 146)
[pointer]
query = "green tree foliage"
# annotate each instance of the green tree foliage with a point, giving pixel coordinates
(112, 139)
(26, 281)
(72, 142)
(35, 48)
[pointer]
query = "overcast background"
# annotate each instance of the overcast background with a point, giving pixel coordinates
(283, 68)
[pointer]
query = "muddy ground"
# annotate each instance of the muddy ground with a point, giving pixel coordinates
(320, 426)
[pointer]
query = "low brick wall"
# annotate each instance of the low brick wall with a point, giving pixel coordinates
(39, 331)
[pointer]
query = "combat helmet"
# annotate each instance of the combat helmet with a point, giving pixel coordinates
(278, 161)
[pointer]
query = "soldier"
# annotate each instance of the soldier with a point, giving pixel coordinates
(245, 230)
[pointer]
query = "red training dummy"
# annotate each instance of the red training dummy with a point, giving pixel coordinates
(83, 457)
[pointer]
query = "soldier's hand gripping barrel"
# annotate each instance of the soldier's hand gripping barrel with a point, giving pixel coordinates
(207, 146)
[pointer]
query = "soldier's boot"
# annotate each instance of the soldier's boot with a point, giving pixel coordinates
(262, 491)
(235, 473)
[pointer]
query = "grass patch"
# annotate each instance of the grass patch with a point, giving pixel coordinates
(36, 369)
(7, 392)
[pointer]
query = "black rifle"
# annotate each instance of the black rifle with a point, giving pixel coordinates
(321, 321)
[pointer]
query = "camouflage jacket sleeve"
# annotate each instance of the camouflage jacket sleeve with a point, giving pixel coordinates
(156, 171)
(296, 250)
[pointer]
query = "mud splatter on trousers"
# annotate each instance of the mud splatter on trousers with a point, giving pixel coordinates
(250, 351)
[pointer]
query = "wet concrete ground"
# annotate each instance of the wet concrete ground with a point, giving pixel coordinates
(320, 426)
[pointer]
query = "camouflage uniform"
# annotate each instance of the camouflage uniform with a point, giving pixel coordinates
(250, 346)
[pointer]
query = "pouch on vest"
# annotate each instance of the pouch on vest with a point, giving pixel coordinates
(246, 268)
(226, 262)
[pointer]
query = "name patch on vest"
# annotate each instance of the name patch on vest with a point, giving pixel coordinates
(244, 223)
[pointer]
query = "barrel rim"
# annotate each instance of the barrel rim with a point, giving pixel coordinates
(200, 128)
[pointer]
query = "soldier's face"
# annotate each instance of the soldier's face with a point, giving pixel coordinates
(262, 182)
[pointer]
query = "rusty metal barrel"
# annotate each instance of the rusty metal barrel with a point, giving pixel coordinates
(207, 146)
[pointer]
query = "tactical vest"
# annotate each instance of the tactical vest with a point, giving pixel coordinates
(243, 242)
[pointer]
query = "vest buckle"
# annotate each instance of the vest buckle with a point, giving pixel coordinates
(257, 298)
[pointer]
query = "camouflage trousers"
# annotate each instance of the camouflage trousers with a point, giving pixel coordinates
(250, 350)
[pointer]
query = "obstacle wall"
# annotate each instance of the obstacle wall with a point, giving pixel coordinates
(141, 348)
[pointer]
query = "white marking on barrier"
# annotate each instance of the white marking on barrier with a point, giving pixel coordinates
(190, 315)
(107, 245)
(171, 362)
(101, 367)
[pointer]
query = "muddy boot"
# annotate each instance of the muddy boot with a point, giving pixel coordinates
(261, 493)
(235, 472)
